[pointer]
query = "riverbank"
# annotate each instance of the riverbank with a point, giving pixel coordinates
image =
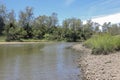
(18, 42)
(98, 67)
(29, 41)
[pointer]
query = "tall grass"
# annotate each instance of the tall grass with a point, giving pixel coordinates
(103, 43)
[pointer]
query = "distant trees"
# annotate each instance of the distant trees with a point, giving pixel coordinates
(113, 29)
(87, 30)
(54, 19)
(25, 21)
(46, 27)
(73, 29)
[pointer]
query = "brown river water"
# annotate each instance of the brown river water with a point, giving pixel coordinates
(38, 61)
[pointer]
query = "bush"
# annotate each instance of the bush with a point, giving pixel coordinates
(103, 43)
(49, 37)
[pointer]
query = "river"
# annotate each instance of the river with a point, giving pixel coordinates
(38, 61)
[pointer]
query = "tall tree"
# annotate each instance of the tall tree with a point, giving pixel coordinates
(96, 27)
(114, 29)
(72, 28)
(3, 13)
(54, 19)
(87, 30)
(11, 17)
(26, 20)
(106, 26)
(11, 29)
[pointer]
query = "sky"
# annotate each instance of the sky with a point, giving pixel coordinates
(114, 18)
(83, 9)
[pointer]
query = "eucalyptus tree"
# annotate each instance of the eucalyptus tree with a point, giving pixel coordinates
(96, 27)
(2, 24)
(40, 26)
(54, 19)
(11, 29)
(26, 21)
(87, 30)
(11, 17)
(3, 14)
(72, 28)
(114, 29)
(105, 27)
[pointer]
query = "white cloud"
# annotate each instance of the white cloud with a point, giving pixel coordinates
(113, 18)
(69, 2)
(103, 6)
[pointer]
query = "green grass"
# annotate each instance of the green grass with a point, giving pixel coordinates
(2, 38)
(37, 40)
(103, 43)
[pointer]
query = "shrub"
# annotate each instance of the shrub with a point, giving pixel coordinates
(103, 43)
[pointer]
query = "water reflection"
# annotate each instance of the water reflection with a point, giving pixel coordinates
(45, 61)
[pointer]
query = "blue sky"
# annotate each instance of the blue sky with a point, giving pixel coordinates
(83, 9)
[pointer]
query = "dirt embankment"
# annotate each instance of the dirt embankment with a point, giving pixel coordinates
(98, 67)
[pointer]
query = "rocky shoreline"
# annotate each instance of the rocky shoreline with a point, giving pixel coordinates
(98, 67)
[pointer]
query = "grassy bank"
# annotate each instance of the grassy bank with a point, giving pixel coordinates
(34, 40)
(103, 43)
(3, 39)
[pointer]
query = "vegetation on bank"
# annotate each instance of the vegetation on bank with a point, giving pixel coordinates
(2, 38)
(28, 28)
(103, 43)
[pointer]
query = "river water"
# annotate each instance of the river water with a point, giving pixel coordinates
(38, 61)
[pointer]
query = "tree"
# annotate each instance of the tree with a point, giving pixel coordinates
(26, 20)
(96, 27)
(3, 13)
(65, 24)
(1, 25)
(12, 32)
(11, 29)
(72, 28)
(41, 26)
(54, 19)
(114, 29)
(11, 17)
(105, 27)
(87, 30)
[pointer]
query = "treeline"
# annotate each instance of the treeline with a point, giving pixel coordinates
(26, 26)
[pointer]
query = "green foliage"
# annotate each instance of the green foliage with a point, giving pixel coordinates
(46, 27)
(22, 33)
(12, 32)
(103, 43)
(70, 36)
(37, 34)
(3, 16)
(48, 37)
(41, 27)
(1, 25)
(2, 38)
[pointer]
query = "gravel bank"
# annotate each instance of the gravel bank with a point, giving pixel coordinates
(98, 67)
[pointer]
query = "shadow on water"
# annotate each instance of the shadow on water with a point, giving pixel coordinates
(44, 61)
